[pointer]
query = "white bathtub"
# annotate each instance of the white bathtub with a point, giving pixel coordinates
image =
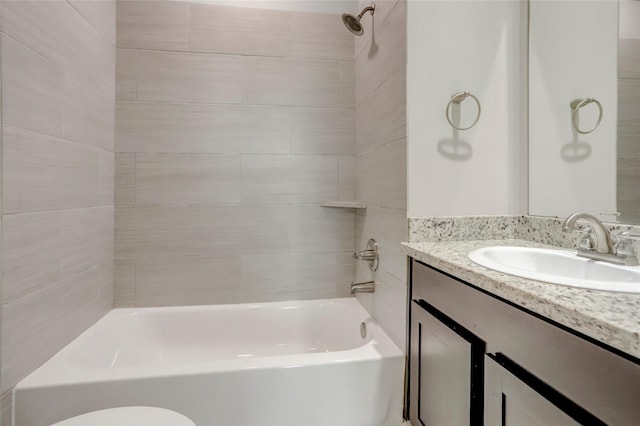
(300, 363)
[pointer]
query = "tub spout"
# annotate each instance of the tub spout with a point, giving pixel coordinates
(365, 287)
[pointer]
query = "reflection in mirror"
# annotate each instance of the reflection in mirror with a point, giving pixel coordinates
(572, 56)
(585, 55)
(629, 112)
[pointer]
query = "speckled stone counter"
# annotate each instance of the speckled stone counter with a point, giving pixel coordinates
(612, 318)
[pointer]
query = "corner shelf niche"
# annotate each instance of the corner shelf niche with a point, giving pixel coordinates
(344, 204)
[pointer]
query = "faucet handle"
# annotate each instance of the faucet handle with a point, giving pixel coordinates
(586, 240)
(625, 248)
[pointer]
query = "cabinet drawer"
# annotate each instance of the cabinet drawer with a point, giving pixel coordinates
(590, 375)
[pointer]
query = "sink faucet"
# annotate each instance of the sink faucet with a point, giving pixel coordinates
(603, 249)
(603, 242)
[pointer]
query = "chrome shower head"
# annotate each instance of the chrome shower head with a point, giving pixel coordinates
(353, 23)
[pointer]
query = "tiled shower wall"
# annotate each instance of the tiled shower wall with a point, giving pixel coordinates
(381, 160)
(629, 112)
(58, 67)
(232, 126)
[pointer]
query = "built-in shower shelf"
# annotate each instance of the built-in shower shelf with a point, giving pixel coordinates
(344, 204)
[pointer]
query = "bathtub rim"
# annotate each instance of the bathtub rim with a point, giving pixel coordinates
(58, 372)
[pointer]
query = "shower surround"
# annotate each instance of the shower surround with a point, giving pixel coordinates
(233, 124)
(58, 67)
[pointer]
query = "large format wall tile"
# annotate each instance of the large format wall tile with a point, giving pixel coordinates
(389, 228)
(144, 231)
(58, 101)
(628, 195)
(629, 58)
(347, 178)
(372, 25)
(124, 289)
(388, 306)
(106, 178)
(323, 131)
(6, 402)
(296, 228)
(153, 25)
(89, 115)
(45, 173)
(187, 179)
(292, 276)
(32, 90)
(188, 128)
(30, 253)
(381, 118)
(125, 179)
(382, 177)
(101, 14)
(59, 32)
(301, 82)
(149, 231)
(189, 280)
(42, 248)
(628, 137)
(189, 77)
(36, 326)
(86, 238)
(315, 35)
(226, 147)
(282, 179)
(381, 161)
(126, 74)
(628, 99)
(347, 84)
(375, 66)
(239, 30)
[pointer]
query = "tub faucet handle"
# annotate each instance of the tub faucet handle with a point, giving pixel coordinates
(369, 255)
(366, 255)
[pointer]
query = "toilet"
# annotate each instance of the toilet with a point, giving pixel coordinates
(128, 416)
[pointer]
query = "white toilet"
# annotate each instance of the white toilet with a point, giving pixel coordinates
(129, 416)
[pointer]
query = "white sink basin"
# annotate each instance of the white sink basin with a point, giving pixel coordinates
(559, 267)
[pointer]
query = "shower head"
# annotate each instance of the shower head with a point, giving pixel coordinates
(353, 23)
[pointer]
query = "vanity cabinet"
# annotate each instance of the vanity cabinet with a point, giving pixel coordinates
(512, 401)
(476, 359)
(448, 363)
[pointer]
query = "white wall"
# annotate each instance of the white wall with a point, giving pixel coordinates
(573, 55)
(473, 46)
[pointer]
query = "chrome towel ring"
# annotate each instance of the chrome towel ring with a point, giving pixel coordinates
(457, 99)
(576, 104)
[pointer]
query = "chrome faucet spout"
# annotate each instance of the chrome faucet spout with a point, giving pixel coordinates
(364, 287)
(603, 243)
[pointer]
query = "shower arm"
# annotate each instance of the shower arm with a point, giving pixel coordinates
(371, 8)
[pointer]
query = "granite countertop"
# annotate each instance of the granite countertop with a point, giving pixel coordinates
(612, 318)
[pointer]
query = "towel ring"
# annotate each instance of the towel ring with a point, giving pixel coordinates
(576, 104)
(457, 98)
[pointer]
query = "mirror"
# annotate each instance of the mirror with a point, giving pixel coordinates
(584, 74)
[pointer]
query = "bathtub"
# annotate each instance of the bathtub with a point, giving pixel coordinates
(302, 363)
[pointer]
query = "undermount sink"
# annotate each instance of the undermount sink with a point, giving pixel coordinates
(559, 267)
